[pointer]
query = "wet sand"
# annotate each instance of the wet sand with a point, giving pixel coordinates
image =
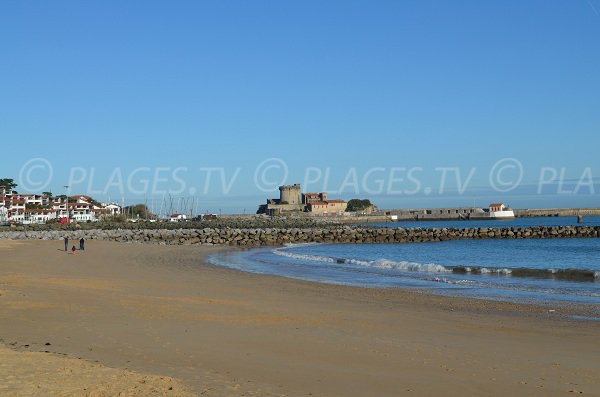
(147, 320)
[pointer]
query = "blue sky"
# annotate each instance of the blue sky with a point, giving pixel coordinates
(143, 99)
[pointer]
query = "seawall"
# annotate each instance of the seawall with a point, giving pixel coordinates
(541, 212)
(274, 236)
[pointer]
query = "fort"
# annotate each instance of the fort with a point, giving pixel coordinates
(292, 200)
(290, 194)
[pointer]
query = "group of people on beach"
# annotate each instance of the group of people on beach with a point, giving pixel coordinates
(73, 249)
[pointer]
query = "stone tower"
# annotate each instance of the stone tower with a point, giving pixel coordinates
(290, 194)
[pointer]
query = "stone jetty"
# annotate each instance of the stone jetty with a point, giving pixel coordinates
(254, 237)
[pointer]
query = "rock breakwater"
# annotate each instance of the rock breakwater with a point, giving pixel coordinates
(280, 236)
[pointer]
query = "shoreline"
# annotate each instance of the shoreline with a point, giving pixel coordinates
(164, 310)
(559, 310)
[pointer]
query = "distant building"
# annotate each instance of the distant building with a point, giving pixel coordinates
(3, 215)
(308, 198)
(178, 218)
(37, 208)
(81, 199)
(292, 200)
(500, 211)
(35, 199)
(82, 212)
(329, 207)
(496, 207)
(495, 211)
(112, 209)
(17, 204)
(39, 216)
(290, 194)
(60, 208)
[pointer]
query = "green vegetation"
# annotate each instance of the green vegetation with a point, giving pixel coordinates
(114, 218)
(356, 205)
(94, 202)
(31, 206)
(49, 194)
(138, 211)
(8, 184)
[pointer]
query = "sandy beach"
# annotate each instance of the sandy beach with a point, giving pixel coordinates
(150, 320)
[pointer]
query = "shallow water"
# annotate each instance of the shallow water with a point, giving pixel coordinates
(538, 270)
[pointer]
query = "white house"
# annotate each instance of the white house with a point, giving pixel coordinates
(3, 214)
(16, 216)
(500, 211)
(17, 204)
(113, 209)
(36, 199)
(37, 208)
(81, 199)
(38, 216)
(178, 218)
(82, 212)
(60, 209)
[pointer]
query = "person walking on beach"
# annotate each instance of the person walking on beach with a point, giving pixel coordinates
(66, 239)
(81, 244)
(73, 250)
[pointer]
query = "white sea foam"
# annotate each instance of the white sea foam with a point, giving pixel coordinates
(358, 262)
(378, 264)
(295, 245)
(315, 258)
(409, 266)
(485, 270)
(462, 282)
(453, 281)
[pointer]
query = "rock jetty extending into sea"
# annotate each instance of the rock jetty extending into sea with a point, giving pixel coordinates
(252, 237)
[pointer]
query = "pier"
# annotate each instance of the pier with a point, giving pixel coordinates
(543, 212)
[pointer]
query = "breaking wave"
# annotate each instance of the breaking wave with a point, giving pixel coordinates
(407, 266)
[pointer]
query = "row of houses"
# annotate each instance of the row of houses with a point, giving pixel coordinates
(38, 208)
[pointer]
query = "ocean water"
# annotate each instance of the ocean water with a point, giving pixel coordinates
(507, 223)
(521, 270)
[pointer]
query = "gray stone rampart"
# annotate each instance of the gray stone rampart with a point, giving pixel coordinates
(273, 236)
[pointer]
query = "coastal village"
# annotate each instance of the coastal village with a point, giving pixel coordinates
(18, 208)
(285, 199)
(41, 208)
